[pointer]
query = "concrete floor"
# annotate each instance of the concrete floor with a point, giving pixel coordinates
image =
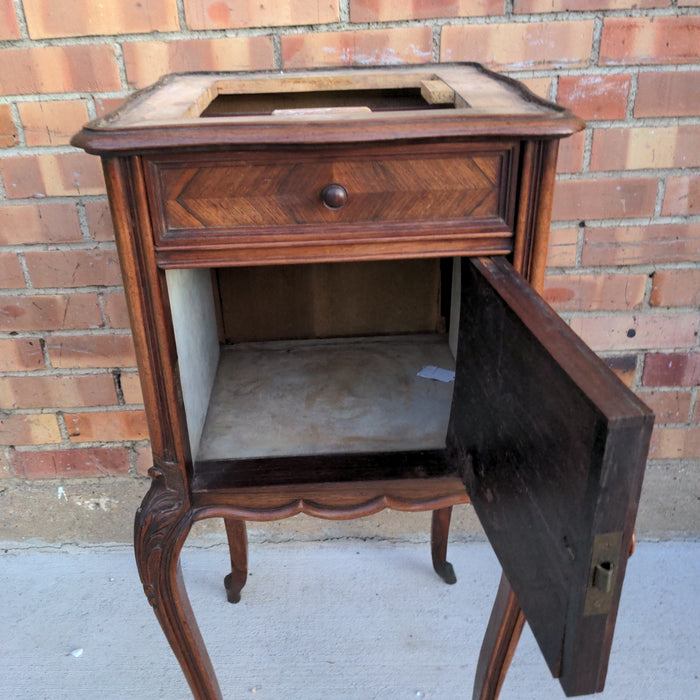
(344, 619)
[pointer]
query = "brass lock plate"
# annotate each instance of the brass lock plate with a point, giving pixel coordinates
(602, 573)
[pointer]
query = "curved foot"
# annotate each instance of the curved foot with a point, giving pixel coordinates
(438, 544)
(446, 572)
(238, 549)
(233, 593)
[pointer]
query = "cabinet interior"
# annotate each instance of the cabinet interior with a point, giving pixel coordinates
(373, 100)
(368, 93)
(298, 360)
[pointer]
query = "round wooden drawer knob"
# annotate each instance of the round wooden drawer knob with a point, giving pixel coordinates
(334, 196)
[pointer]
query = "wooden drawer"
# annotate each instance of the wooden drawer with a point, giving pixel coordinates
(247, 199)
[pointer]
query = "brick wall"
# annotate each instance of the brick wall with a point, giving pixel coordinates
(625, 243)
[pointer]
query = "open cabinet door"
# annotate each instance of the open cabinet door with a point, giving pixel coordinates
(552, 448)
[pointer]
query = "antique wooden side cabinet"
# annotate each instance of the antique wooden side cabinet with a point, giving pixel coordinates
(296, 248)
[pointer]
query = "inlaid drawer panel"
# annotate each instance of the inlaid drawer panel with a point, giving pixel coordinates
(311, 195)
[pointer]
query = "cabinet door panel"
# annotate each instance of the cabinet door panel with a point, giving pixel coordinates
(552, 448)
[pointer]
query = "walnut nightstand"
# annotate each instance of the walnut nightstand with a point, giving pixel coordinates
(295, 248)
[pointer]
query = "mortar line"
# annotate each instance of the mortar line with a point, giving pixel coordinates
(632, 97)
(83, 223)
(25, 270)
(21, 20)
(21, 136)
(437, 43)
(181, 15)
(276, 50)
(597, 36)
(75, 332)
(108, 408)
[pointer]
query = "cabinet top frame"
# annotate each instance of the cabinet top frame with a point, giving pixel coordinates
(458, 101)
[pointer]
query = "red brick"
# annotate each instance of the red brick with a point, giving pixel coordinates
(79, 351)
(49, 312)
(11, 275)
(637, 331)
(143, 460)
(34, 429)
(595, 96)
(45, 69)
(392, 10)
(527, 6)
(675, 443)
(571, 153)
(51, 122)
(55, 175)
(646, 147)
(117, 314)
(563, 243)
(105, 105)
(9, 27)
(57, 391)
(604, 198)
(82, 17)
(666, 94)
(73, 268)
(39, 223)
(682, 196)
(19, 354)
(696, 412)
(226, 14)
(107, 426)
(146, 61)
(99, 221)
(520, 45)
(76, 463)
(131, 388)
(642, 40)
(8, 130)
(671, 369)
(374, 46)
(540, 86)
(634, 245)
(676, 288)
(668, 406)
(624, 367)
(585, 292)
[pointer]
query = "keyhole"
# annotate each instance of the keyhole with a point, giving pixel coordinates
(603, 576)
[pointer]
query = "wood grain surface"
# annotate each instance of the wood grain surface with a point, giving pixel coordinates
(552, 447)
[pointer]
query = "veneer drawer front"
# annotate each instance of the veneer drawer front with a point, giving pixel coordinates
(413, 188)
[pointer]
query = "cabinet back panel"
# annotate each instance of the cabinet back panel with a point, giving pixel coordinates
(325, 300)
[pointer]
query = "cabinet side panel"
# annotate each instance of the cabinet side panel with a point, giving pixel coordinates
(196, 339)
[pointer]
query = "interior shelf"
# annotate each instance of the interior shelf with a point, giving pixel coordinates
(300, 398)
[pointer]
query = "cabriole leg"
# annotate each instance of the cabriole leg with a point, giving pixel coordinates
(238, 548)
(501, 638)
(161, 527)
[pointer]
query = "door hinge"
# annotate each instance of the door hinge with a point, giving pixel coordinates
(602, 573)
